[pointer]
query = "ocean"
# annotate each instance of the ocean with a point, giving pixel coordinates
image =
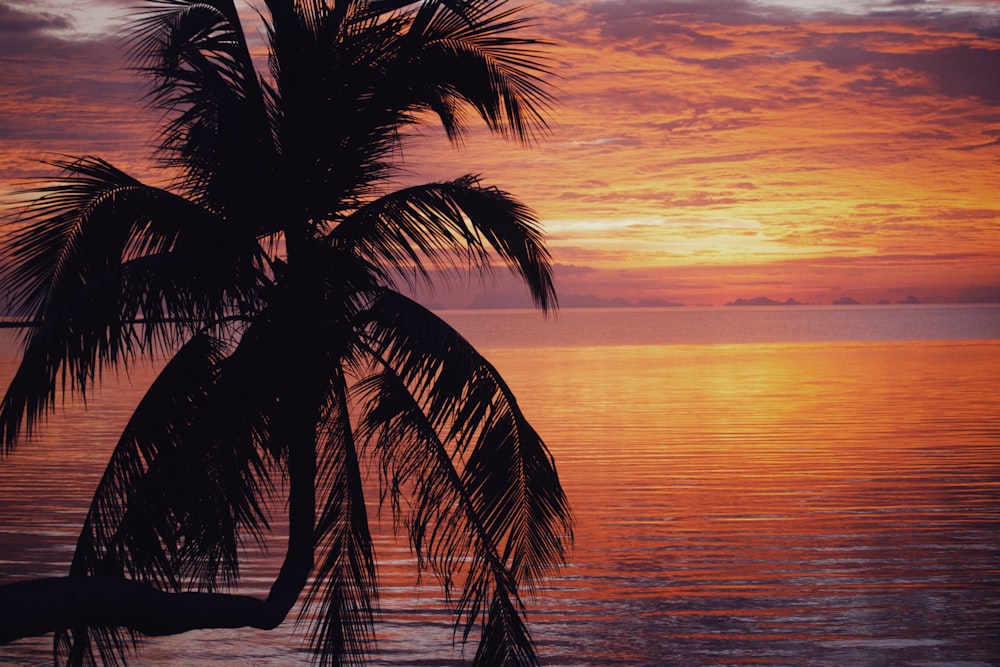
(794, 485)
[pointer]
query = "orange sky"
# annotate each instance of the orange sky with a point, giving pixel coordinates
(702, 150)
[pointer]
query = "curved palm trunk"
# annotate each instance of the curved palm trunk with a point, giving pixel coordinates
(301, 397)
(40, 606)
(302, 414)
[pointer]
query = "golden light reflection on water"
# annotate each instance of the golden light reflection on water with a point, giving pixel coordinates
(790, 504)
(774, 504)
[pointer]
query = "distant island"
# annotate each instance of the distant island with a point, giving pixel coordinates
(516, 299)
(842, 301)
(763, 301)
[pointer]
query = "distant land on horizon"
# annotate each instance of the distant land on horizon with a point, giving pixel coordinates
(764, 301)
(512, 301)
(501, 292)
(842, 301)
(488, 301)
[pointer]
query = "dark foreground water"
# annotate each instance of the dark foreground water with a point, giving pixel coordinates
(792, 486)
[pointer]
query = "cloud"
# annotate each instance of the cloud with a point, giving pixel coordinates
(68, 19)
(572, 270)
(735, 34)
(607, 141)
(19, 30)
(930, 276)
(956, 71)
(648, 18)
(63, 95)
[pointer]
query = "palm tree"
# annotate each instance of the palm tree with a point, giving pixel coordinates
(272, 273)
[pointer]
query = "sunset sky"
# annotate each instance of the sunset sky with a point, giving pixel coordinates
(701, 150)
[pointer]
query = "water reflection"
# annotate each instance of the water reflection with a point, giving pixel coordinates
(752, 504)
(775, 504)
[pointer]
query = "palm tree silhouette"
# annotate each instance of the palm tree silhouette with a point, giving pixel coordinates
(272, 271)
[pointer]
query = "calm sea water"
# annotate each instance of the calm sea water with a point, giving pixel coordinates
(791, 486)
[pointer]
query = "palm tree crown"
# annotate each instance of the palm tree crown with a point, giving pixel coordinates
(272, 272)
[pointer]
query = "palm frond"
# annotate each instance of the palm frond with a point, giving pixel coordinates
(220, 132)
(343, 595)
(517, 100)
(105, 267)
(482, 59)
(451, 225)
(443, 520)
(487, 496)
(92, 216)
(183, 486)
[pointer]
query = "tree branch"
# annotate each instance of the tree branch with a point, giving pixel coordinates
(39, 606)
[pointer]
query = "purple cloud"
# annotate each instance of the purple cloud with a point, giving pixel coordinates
(691, 31)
